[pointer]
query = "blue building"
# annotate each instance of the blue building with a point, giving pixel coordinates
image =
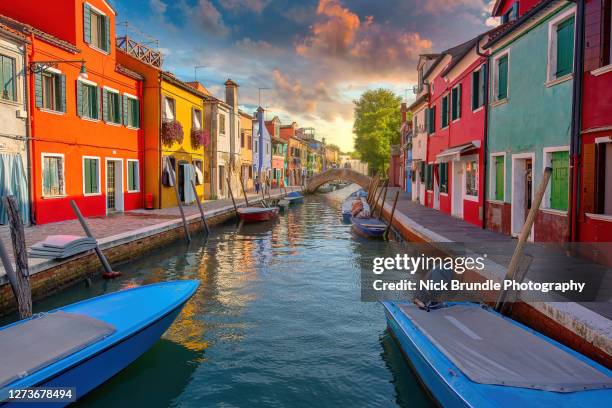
(262, 149)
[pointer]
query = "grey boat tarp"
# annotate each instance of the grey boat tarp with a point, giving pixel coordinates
(490, 349)
(45, 339)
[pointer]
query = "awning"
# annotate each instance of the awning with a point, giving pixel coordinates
(454, 153)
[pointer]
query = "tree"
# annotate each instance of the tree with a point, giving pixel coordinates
(376, 127)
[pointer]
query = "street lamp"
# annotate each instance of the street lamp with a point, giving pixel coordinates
(37, 67)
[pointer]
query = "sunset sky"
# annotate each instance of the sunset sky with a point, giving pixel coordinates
(316, 56)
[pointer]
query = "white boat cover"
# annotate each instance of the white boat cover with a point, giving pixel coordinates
(490, 349)
(41, 341)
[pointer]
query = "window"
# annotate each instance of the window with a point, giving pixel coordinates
(501, 78)
(91, 175)
(112, 106)
(88, 100)
(222, 124)
(131, 112)
(96, 28)
(250, 141)
(221, 177)
(256, 146)
(242, 138)
(559, 180)
(606, 46)
(133, 176)
(456, 102)
(443, 170)
(53, 175)
(430, 120)
(196, 120)
(444, 112)
(422, 171)
(420, 80)
(169, 114)
(429, 177)
(498, 177)
(603, 176)
(478, 87)
(561, 46)
(8, 78)
(511, 14)
(471, 178)
(50, 90)
(198, 167)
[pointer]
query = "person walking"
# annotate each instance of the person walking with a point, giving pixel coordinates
(257, 185)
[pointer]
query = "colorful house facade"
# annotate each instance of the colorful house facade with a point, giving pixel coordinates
(85, 110)
(246, 149)
(262, 148)
(279, 151)
(594, 189)
(14, 148)
(530, 119)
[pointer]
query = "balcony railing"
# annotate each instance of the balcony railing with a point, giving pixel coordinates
(140, 51)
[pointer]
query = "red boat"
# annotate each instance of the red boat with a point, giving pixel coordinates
(257, 214)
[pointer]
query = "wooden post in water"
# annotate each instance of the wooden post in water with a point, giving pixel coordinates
(178, 200)
(108, 270)
(21, 275)
(229, 187)
(200, 208)
(501, 305)
(372, 197)
(246, 200)
(382, 188)
(386, 234)
(382, 206)
(263, 198)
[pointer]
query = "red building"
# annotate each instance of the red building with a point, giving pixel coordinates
(594, 219)
(395, 167)
(84, 109)
(455, 123)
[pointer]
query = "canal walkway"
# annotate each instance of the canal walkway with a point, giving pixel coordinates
(591, 321)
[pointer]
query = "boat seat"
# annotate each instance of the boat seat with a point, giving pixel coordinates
(29, 346)
(490, 349)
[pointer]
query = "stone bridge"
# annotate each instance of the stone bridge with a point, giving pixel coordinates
(318, 180)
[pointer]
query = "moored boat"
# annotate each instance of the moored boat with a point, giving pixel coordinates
(257, 214)
(294, 197)
(469, 356)
(368, 227)
(347, 205)
(82, 345)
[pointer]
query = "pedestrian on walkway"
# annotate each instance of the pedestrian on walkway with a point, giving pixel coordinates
(257, 186)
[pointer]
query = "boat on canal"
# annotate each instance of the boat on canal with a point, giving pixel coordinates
(294, 197)
(82, 345)
(470, 356)
(257, 214)
(368, 227)
(347, 205)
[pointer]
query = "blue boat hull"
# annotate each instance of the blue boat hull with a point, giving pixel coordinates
(360, 227)
(449, 387)
(85, 374)
(346, 218)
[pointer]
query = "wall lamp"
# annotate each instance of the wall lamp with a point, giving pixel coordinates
(38, 67)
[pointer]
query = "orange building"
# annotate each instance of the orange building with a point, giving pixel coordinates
(84, 109)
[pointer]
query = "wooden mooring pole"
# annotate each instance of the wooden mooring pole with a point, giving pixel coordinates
(206, 227)
(502, 305)
(20, 276)
(229, 187)
(386, 234)
(246, 199)
(380, 210)
(108, 270)
(178, 200)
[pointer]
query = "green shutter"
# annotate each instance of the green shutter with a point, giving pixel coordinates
(124, 100)
(62, 92)
(443, 177)
(559, 185)
(107, 34)
(38, 94)
(483, 84)
(475, 89)
(432, 120)
(454, 103)
(79, 98)
(87, 176)
(105, 105)
(87, 23)
(565, 47)
(459, 101)
(444, 112)
(502, 77)
(97, 93)
(499, 178)
(427, 120)
(94, 181)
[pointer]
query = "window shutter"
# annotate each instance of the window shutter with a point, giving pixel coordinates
(119, 108)
(483, 85)
(499, 178)
(589, 177)
(559, 188)
(94, 181)
(565, 47)
(502, 78)
(62, 92)
(427, 120)
(87, 22)
(515, 10)
(79, 98)
(105, 105)
(87, 165)
(38, 89)
(107, 34)
(98, 102)
(124, 108)
(459, 101)
(433, 119)
(137, 112)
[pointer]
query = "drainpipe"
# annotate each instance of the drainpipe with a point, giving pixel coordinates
(485, 158)
(573, 205)
(30, 104)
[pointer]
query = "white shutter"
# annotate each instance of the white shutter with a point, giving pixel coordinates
(197, 120)
(168, 111)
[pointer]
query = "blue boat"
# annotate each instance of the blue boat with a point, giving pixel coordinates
(82, 345)
(294, 197)
(348, 203)
(470, 356)
(368, 227)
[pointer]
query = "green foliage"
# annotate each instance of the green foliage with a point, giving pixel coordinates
(376, 127)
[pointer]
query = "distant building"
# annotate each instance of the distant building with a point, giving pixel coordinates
(246, 149)
(262, 148)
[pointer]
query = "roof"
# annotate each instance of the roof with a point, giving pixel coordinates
(128, 72)
(26, 30)
(169, 77)
(13, 33)
(513, 25)
(417, 102)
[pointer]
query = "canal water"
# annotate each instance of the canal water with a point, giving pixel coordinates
(276, 322)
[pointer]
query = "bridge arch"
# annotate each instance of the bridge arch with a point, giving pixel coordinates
(318, 180)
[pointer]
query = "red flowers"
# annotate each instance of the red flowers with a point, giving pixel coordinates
(172, 132)
(200, 138)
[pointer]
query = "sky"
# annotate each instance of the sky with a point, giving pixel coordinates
(315, 57)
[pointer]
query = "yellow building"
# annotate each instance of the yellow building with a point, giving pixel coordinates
(246, 149)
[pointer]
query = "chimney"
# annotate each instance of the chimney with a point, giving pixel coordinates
(231, 94)
(404, 111)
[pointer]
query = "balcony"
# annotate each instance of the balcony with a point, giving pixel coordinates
(140, 51)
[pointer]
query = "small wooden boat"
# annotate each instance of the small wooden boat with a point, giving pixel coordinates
(283, 204)
(82, 345)
(347, 205)
(294, 197)
(257, 214)
(469, 356)
(368, 227)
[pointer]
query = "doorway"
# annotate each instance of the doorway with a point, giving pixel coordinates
(522, 191)
(114, 185)
(221, 181)
(457, 183)
(181, 181)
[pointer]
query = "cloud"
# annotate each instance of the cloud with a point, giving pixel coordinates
(158, 6)
(209, 19)
(256, 6)
(446, 6)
